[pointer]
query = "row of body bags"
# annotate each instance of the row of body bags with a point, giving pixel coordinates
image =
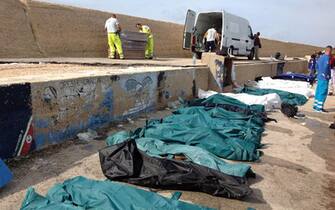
(182, 151)
(204, 131)
(185, 150)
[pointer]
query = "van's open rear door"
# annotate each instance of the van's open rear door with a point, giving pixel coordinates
(188, 29)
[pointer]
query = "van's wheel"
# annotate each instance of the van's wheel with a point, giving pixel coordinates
(231, 50)
(251, 55)
(198, 55)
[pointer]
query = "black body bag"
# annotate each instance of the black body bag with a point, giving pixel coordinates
(124, 162)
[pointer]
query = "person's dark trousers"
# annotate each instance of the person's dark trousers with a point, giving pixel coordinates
(210, 46)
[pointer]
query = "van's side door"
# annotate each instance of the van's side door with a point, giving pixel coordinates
(244, 36)
(188, 28)
(234, 34)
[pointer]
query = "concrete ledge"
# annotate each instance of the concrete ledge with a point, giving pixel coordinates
(181, 62)
(249, 70)
(53, 101)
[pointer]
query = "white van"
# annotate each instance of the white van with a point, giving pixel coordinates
(236, 33)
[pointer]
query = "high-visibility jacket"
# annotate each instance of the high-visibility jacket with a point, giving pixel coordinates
(146, 29)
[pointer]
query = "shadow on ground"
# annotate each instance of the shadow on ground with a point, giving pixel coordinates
(255, 200)
(273, 161)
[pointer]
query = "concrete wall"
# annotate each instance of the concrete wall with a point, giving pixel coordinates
(36, 29)
(298, 66)
(61, 109)
(246, 70)
(271, 47)
(16, 37)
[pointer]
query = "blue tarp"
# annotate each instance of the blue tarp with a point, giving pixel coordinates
(296, 77)
(5, 174)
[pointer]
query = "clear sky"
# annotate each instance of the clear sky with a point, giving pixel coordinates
(303, 21)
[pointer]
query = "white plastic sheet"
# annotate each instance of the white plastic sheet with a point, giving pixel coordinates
(270, 101)
(297, 87)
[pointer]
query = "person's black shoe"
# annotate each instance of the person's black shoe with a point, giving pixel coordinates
(324, 111)
(332, 126)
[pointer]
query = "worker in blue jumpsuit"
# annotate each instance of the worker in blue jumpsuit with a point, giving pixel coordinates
(324, 71)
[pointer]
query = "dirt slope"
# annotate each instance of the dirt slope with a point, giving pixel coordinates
(16, 37)
(270, 47)
(36, 29)
(68, 31)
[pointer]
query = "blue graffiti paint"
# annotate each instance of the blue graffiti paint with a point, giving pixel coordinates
(108, 100)
(88, 107)
(97, 121)
(43, 139)
(41, 123)
(103, 117)
(40, 139)
(105, 113)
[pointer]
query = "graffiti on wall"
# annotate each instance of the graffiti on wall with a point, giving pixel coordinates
(140, 88)
(49, 94)
(72, 106)
(62, 109)
(162, 93)
(16, 136)
(219, 74)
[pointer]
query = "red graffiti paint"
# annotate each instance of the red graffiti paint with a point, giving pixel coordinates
(27, 140)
